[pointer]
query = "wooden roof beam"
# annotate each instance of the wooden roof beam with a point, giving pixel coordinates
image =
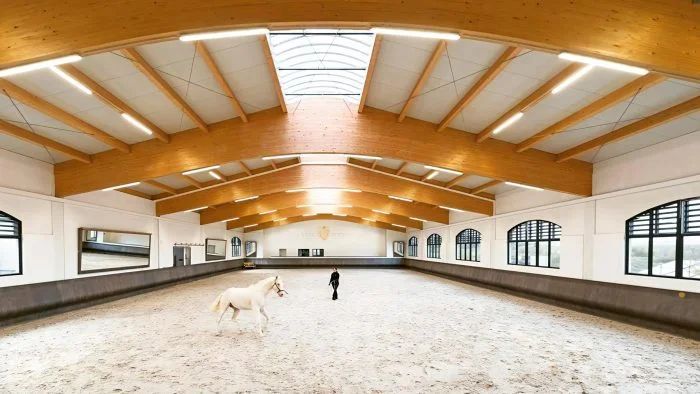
(350, 219)
(220, 80)
(157, 80)
(530, 101)
(474, 91)
(592, 109)
(60, 115)
(191, 181)
(113, 101)
(457, 180)
(423, 78)
(637, 127)
(161, 186)
(486, 186)
(370, 71)
(36, 139)
(273, 72)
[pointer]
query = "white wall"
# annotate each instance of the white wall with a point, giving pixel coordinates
(26, 174)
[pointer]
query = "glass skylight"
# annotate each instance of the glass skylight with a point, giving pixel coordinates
(322, 62)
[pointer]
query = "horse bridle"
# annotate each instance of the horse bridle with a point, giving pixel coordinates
(279, 290)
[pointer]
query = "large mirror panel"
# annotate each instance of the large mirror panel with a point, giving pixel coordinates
(109, 250)
(215, 249)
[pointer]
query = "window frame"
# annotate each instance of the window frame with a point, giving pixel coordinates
(433, 248)
(472, 242)
(236, 247)
(413, 247)
(682, 215)
(18, 237)
(519, 229)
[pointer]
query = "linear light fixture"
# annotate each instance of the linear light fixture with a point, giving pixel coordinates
(296, 190)
(351, 190)
(432, 175)
(365, 157)
(378, 211)
(266, 212)
(196, 209)
(39, 65)
(70, 80)
(400, 198)
(451, 209)
(279, 220)
(508, 122)
(308, 214)
(339, 214)
(440, 169)
(573, 78)
(136, 123)
(369, 220)
(231, 220)
(121, 186)
(524, 186)
(279, 157)
(420, 220)
(224, 34)
(215, 175)
(246, 199)
(250, 225)
(398, 225)
(415, 33)
(603, 63)
(190, 172)
(324, 205)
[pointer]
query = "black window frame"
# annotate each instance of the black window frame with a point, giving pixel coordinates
(433, 246)
(236, 247)
(317, 252)
(16, 228)
(687, 223)
(413, 247)
(533, 231)
(468, 245)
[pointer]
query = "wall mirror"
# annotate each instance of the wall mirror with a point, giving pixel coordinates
(251, 249)
(398, 248)
(215, 249)
(110, 250)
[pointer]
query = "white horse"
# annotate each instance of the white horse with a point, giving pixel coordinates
(251, 298)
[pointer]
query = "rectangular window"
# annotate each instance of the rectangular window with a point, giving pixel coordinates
(691, 257)
(9, 256)
(512, 253)
(521, 254)
(638, 256)
(664, 256)
(543, 254)
(555, 252)
(477, 252)
(532, 253)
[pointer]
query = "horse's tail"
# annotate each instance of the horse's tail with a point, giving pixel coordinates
(215, 306)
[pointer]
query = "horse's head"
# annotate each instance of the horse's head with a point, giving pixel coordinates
(279, 286)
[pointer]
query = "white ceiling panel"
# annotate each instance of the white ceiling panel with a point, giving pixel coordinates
(430, 106)
(483, 110)
(627, 145)
(246, 78)
(568, 139)
(601, 81)
(255, 163)
(404, 57)
(171, 120)
(391, 163)
(131, 86)
(513, 85)
(111, 122)
(148, 189)
(106, 66)
(23, 148)
(502, 188)
(167, 52)
(239, 57)
(473, 181)
(474, 51)
(229, 169)
(173, 181)
(424, 44)
(386, 97)
(665, 94)
(415, 169)
(258, 98)
(42, 83)
(677, 127)
(451, 69)
(78, 140)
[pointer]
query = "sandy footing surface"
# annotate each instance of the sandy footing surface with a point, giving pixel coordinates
(390, 331)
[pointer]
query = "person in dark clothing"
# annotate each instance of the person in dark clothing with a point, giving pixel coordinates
(335, 282)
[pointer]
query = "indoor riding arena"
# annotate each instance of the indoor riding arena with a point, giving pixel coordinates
(336, 196)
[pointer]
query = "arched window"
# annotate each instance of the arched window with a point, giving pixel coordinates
(235, 247)
(535, 243)
(665, 241)
(468, 245)
(413, 247)
(10, 245)
(434, 242)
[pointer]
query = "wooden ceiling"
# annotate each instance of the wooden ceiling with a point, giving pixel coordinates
(655, 34)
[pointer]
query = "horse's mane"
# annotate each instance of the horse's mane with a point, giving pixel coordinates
(262, 281)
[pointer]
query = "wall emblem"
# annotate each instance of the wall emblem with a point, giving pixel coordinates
(324, 233)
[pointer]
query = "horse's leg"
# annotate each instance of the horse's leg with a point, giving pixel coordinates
(218, 323)
(264, 313)
(256, 313)
(236, 311)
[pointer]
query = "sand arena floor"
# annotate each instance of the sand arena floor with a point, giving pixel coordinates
(391, 330)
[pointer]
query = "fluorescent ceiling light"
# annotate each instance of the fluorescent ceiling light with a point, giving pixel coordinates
(443, 170)
(378, 211)
(231, 220)
(215, 175)
(309, 214)
(603, 63)
(508, 122)
(196, 209)
(351, 190)
(369, 220)
(279, 157)
(246, 199)
(398, 225)
(136, 123)
(339, 214)
(420, 220)
(415, 33)
(200, 170)
(365, 157)
(224, 34)
(279, 220)
(296, 190)
(121, 186)
(71, 80)
(39, 65)
(266, 212)
(324, 205)
(524, 186)
(400, 198)
(432, 175)
(573, 78)
(250, 225)
(451, 209)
